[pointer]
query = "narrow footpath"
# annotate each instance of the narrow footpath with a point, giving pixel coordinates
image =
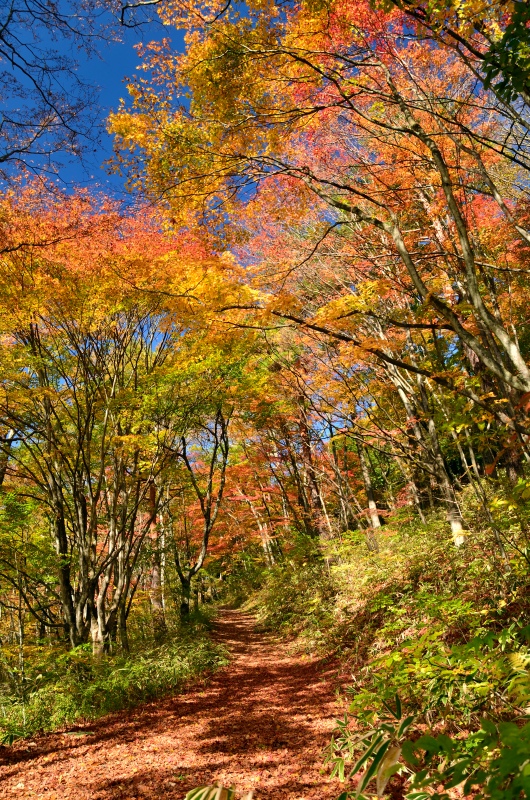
(261, 723)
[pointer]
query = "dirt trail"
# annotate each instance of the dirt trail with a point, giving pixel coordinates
(260, 723)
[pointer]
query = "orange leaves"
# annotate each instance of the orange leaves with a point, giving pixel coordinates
(59, 251)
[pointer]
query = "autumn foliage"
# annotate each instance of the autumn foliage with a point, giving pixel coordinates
(296, 365)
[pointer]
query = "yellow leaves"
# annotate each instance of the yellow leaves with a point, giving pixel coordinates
(464, 15)
(365, 299)
(128, 443)
(519, 661)
(132, 129)
(378, 110)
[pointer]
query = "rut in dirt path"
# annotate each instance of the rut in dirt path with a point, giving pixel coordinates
(260, 723)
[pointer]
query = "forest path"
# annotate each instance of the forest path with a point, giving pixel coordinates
(260, 723)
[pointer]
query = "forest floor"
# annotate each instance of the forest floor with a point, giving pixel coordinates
(261, 723)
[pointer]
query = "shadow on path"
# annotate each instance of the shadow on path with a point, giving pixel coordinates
(260, 723)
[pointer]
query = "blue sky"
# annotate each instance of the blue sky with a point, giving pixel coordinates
(108, 74)
(48, 105)
(117, 62)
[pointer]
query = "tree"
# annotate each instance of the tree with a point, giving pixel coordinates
(47, 108)
(494, 38)
(210, 471)
(305, 97)
(95, 353)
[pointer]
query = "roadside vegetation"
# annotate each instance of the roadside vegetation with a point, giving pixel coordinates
(436, 641)
(45, 687)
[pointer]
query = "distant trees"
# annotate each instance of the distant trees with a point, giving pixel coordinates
(214, 442)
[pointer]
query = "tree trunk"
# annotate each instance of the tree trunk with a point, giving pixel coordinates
(98, 638)
(122, 626)
(373, 516)
(156, 588)
(186, 594)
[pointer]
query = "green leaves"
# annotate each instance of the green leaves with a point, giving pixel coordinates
(377, 768)
(508, 59)
(76, 686)
(377, 752)
(210, 793)
(214, 793)
(492, 763)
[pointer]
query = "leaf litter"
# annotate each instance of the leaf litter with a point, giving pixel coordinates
(259, 724)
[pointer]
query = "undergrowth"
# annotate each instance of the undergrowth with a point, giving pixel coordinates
(62, 688)
(440, 632)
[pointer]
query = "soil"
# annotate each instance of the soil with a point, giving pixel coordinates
(261, 723)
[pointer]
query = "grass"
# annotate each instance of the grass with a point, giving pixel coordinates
(60, 689)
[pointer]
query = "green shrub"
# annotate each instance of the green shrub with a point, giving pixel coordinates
(491, 763)
(297, 594)
(446, 631)
(84, 688)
